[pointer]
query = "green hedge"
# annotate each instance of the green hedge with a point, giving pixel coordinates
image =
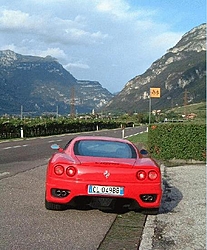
(34, 128)
(177, 141)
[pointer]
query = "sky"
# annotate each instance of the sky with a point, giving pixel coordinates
(109, 41)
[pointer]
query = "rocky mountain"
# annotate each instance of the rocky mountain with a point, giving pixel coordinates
(42, 85)
(180, 74)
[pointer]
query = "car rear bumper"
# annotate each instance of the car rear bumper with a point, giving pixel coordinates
(137, 192)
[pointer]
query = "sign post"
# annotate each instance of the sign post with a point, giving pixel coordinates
(154, 93)
(150, 105)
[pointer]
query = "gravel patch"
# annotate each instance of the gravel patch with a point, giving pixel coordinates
(181, 222)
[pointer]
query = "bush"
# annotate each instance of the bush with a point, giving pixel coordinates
(177, 141)
(44, 127)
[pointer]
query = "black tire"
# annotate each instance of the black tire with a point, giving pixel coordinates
(54, 206)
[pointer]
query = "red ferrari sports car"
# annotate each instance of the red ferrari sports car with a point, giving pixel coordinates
(102, 172)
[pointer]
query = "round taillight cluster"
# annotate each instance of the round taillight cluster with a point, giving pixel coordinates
(152, 175)
(142, 175)
(70, 171)
(59, 170)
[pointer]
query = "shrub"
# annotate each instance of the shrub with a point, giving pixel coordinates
(177, 141)
(44, 127)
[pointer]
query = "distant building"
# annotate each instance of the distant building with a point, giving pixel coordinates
(191, 116)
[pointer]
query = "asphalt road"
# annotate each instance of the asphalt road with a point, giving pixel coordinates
(24, 154)
(25, 223)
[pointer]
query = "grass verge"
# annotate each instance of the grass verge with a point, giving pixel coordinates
(125, 233)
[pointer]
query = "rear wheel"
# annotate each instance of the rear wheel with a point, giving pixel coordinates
(54, 206)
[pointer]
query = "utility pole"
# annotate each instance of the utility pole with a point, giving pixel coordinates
(171, 102)
(72, 102)
(21, 129)
(185, 102)
(150, 109)
(57, 112)
(21, 112)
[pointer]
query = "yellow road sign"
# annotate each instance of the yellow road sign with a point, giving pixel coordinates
(155, 92)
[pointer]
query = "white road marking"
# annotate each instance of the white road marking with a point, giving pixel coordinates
(135, 134)
(54, 141)
(4, 173)
(17, 146)
(7, 148)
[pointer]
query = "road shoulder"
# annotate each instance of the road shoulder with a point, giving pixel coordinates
(181, 222)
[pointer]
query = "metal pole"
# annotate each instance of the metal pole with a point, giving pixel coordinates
(57, 112)
(21, 129)
(21, 112)
(150, 110)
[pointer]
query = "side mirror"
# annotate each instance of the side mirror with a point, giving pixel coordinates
(143, 152)
(55, 146)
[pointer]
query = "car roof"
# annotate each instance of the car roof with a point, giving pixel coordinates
(104, 138)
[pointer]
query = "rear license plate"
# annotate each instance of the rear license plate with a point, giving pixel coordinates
(105, 190)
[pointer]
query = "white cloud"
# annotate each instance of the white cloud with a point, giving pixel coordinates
(121, 9)
(116, 7)
(76, 65)
(110, 41)
(8, 47)
(54, 52)
(46, 2)
(50, 30)
(16, 20)
(12, 19)
(166, 39)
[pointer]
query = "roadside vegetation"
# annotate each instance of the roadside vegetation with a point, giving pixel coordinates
(176, 139)
(178, 133)
(181, 142)
(140, 138)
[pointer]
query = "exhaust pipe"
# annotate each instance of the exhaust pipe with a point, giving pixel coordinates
(148, 197)
(64, 193)
(60, 193)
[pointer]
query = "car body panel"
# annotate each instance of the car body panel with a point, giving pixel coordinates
(103, 171)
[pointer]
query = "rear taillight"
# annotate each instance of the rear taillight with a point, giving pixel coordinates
(71, 171)
(59, 170)
(141, 175)
(152, 175)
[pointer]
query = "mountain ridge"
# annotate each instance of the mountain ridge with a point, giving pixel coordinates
(182, 67)
(40, 84)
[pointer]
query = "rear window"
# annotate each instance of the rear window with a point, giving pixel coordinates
(101, 148)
